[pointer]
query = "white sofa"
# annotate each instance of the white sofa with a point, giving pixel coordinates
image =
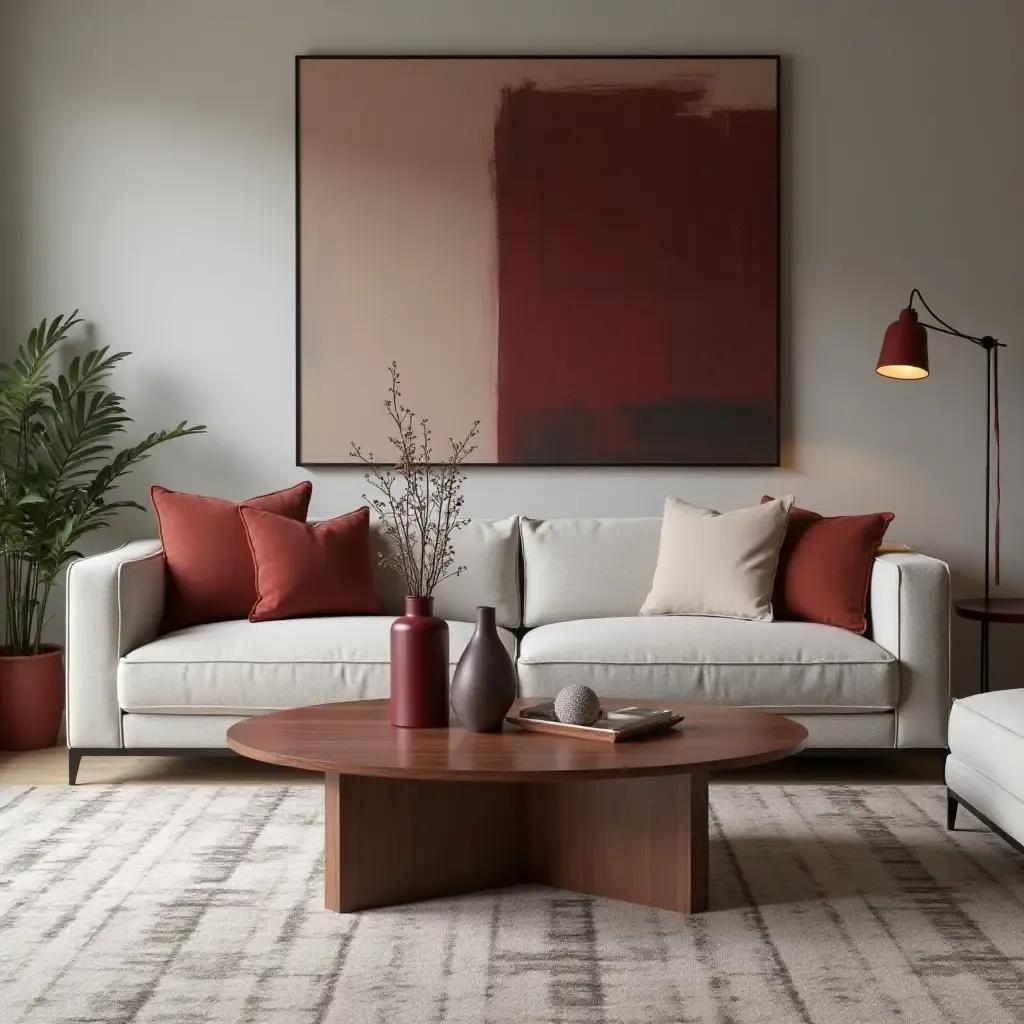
(567, 594)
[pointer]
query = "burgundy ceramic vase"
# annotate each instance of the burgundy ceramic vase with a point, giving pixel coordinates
(419, 667)
(484, 684)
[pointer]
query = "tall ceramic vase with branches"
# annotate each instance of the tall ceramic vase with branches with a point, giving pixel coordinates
(58, 467)
(419, 502)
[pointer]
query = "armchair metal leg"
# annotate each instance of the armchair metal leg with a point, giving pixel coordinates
(955, 800)
(74, 760)
(951, 806)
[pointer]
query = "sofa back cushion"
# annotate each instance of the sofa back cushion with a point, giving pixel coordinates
(587, 568)
(489, 549)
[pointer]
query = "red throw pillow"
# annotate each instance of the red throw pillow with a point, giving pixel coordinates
(209, 565)
(825, 567)
(306, 570)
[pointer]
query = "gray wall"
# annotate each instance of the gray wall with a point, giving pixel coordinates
(148, 179)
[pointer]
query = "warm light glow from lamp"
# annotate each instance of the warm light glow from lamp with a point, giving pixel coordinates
(901, 371)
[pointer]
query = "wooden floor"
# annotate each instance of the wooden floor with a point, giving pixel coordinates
(50, 767)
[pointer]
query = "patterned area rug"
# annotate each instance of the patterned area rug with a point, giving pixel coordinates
(831, 904)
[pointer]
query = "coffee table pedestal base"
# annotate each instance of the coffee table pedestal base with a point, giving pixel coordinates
(642, 840)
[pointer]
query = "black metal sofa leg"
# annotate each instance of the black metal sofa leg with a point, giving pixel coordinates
(74, 760)
(75, 754)
(951, 806)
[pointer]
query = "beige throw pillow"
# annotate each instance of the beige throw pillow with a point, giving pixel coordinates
(712, 563)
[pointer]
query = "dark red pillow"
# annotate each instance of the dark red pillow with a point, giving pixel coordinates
(825, 567)
(209, 565)
(304, 570)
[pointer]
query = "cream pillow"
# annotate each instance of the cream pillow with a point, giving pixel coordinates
(718, 563)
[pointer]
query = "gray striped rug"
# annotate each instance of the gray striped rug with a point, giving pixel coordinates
(832, 904)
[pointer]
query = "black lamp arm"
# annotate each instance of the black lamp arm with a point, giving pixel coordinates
(986, 342)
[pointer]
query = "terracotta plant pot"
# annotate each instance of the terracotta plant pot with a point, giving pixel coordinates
(484, 684)
(31, 699)
(419, 667)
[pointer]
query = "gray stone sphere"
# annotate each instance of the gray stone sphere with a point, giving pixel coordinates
(577, 705)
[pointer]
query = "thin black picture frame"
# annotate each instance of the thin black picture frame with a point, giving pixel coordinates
(473, 466)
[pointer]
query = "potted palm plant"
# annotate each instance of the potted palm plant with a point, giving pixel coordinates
(57, 467)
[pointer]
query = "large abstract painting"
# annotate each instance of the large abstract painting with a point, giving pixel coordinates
(580, 253)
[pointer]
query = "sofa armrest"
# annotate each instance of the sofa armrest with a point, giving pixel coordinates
(910, 618)
(115, 602)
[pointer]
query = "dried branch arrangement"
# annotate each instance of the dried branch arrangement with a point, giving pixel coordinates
(420, 502)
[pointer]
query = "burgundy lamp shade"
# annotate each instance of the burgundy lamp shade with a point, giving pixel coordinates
(904, 352)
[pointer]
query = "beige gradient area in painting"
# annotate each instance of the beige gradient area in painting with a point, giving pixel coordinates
(397, 232)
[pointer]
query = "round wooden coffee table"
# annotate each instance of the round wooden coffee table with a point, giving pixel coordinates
(412, 814)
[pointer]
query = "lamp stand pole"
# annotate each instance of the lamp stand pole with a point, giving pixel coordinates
(989, 345)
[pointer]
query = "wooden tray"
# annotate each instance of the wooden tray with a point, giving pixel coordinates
(610, 728)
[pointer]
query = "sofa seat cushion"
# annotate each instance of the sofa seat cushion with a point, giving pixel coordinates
(788, 666)
(986, 732)
(241, 668)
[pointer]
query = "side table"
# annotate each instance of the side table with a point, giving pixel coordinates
(995, 609)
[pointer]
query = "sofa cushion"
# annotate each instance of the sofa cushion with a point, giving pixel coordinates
(242, 667)
(794, 666)
(587, 568)
(718, 563)
(825, 567)
(304, 569)
(489, 549)
(210, 576)
(986, 731)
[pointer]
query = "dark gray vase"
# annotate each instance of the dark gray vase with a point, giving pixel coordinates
(484, 684)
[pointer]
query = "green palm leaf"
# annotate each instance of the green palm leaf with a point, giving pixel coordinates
(58, 464)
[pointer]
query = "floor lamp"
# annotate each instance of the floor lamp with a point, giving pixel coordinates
(904, 356)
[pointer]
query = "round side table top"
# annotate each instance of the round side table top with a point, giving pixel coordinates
(996, 609)
(356, 738)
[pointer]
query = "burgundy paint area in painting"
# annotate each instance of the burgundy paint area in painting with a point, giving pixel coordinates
(637, 236)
